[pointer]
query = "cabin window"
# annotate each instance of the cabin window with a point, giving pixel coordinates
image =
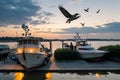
(27, 50)
(35, 42)
(83, 43)
(86, 48)
(25, 42)
(20, 43)
(29, 42)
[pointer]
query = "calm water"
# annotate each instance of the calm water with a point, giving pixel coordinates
(59, 76)
(63, 76)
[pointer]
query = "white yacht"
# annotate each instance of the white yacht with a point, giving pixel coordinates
(86, 50)
(29, 52)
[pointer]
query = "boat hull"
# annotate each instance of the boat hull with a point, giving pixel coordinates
(31, 60)
(91, 54)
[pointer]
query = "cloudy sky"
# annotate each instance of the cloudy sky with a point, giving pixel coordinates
(45, 19)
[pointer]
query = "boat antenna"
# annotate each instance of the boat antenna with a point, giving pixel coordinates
(26, 29)
(77, 37)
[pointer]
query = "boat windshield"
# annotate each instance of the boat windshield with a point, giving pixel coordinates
(28, 42)
(82, 43)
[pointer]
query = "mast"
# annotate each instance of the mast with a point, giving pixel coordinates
(77, 37)
(25, 28)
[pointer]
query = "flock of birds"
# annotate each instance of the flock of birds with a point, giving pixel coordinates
(87, 10)
(74, 16)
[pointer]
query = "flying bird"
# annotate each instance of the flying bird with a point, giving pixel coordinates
(87, 10)
(68, 15)
(83, 24)
(98, 11)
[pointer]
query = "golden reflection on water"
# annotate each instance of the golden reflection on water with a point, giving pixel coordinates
(33, 76)
(49, 76)
(97, 75)
(19, 75)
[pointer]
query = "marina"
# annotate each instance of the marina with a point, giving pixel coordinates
(64, 66)
(59, 40)
(55, 70)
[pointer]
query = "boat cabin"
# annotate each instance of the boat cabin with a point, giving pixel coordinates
(28, 41)
(81, 43)
(29, 45)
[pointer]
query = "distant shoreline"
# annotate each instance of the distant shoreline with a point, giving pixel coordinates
(13, 39)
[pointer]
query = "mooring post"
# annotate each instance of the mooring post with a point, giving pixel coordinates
(62, 43)
(51, 47)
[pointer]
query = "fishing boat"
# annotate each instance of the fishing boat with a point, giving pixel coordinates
(85, 50)
(29, 52)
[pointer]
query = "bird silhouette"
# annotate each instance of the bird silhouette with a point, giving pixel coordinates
(87, 10)
(83, 24)
(98, 11)
(68, 15)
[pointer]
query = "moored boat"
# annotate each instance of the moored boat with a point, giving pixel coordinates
(29, 52)
(86, 50)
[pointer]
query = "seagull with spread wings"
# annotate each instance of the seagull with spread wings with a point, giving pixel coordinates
(68, 15)
(83, 24)
(86, 10)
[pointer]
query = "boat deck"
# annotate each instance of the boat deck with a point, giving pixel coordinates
(64, 66)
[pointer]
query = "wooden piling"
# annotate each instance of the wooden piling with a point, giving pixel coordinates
(62, 43)
(50, 46)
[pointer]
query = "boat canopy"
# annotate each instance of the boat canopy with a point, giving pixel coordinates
(30, 45)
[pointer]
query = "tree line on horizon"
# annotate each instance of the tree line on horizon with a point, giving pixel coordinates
(10, 39)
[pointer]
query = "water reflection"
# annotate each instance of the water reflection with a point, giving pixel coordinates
(86, 76)
(97, 75)
(49, 76)
(33, 76)
(61, 76)
(18, 76)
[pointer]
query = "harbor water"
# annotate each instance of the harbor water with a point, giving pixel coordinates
(62, 75)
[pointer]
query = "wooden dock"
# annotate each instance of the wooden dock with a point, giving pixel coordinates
(65, 66)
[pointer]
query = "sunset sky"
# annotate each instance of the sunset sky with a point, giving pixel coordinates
(44, 18)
